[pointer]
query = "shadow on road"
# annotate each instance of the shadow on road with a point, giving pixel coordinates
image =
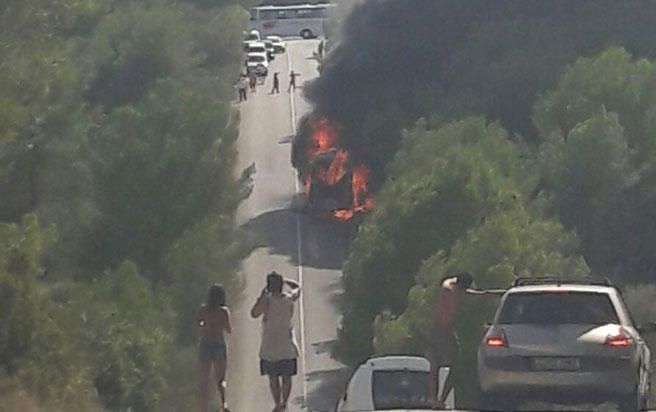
(323, 242)
(331, 384)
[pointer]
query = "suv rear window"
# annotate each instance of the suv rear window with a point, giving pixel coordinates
(558, 308)
(399, 389)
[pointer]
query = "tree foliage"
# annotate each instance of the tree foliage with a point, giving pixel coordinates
(117, 132)
(171, 136)
(598, 159)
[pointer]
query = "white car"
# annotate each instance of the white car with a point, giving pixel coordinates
(252, 37)
(389, 383)
(256, 47)
(258, 63)
(268, 44)
(279, 45)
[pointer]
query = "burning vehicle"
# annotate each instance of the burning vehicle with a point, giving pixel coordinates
(334, 182)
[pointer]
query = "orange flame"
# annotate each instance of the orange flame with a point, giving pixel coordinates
(337, 168)
(325, 137)
(362, 199)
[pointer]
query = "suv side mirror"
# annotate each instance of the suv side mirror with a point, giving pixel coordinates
(487, 326)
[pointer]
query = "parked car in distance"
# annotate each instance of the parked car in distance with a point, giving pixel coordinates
(258, 63)
(279, 45)
(572, 340)
(268, 44)
(252, 37)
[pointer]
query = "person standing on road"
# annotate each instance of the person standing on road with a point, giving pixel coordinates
(443, 349)
(252, 77)
(278, 350)
(321, 49)
(292, 80)
(214, 322)
(276, 84)
(242, 88)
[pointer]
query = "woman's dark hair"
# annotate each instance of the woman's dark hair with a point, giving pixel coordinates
(464, 280)
(274, 283)
(216, 297)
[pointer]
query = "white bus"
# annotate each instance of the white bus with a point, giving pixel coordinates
(305, 20)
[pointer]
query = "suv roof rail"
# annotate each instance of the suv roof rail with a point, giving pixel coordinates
(548, 280)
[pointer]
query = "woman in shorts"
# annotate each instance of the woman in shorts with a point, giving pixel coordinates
(214, 323)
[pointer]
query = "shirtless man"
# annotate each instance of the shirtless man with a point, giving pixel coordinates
(279, 350)
(292, 80)
(214, 322)
(443, 341)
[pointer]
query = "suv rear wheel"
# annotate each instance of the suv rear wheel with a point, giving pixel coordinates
(306, 33)
(633, 402)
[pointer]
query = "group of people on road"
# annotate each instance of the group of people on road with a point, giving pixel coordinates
(251, 81)
(278, 349)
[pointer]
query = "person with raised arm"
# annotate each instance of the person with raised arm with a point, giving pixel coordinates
(278, 350)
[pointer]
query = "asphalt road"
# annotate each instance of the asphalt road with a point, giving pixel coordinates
(304, 249)
(289, 243)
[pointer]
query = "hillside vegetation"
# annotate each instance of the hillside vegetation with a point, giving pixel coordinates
(117, 159)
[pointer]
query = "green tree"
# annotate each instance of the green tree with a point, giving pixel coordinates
(612, 82)
(121, 327)
(38, 85)
(135, 46)
(159, 167)
(597, 159)
(586, 167)
(33, 347)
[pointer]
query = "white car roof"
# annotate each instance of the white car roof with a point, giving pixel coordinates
(257, 44)
(295, 6)
(565, 287)
(398, 362)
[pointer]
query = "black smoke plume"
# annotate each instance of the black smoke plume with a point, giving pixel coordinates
(397, 60)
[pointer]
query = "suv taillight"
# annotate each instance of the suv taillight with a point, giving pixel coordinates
(621, 340)
(496, 340)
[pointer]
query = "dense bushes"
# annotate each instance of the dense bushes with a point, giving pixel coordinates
(116, 134)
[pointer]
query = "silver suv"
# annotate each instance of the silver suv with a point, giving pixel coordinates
(563, 341)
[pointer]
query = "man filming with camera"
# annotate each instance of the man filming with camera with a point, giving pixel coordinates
(278, 350)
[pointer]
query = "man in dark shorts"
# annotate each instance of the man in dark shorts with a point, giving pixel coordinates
(279, 350)
(443, 346)
(276, 84)
(292, 80)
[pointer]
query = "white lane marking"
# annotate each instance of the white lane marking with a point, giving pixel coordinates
(299, 249)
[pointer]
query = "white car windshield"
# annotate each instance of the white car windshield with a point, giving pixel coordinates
(257, 50)
(400, 389)
(256, 59)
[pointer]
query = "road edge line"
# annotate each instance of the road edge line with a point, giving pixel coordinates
(299, 249)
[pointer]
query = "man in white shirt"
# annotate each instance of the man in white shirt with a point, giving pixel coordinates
(279, 350)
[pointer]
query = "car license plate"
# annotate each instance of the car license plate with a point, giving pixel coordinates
(556, 364)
